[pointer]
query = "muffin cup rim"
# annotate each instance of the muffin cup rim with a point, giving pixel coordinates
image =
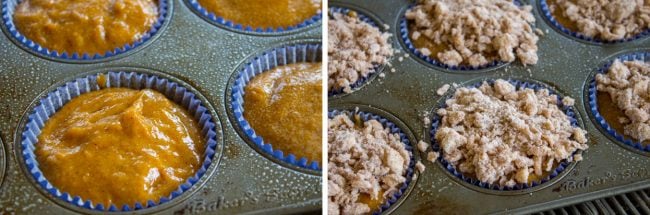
(3, 161)
(210, 159)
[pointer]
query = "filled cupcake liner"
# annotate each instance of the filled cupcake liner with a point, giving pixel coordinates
(544, 7)
(394, 129)
(8, 7)
(266, 61)
(593, 101)
(436, 121)
(56, 99)
(228, 24)
(376, 68)
(404, 31)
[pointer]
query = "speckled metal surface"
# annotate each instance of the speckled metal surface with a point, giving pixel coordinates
(196, 52)
(565, 65)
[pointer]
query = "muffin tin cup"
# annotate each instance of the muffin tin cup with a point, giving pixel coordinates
(563, 168)
(222, 22)
(592, 103)
(378, 68)
(8, 6)
(396, 127)
(431, 61)
(57, 96)
(295, 52)
(547, 14)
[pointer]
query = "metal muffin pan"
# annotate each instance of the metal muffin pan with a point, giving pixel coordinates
(565, 64)
(195, 52)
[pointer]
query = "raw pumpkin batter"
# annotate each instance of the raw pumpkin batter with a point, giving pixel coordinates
(263, 13)
(373, 204)
(120, 146)
(561, 18)
(283, 106)
(611, 113)
(85, 26)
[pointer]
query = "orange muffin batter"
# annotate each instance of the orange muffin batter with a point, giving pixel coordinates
(560, 18)
(263, 13)
(373, 204)
(283, 106)
(85, 26)
(120, 146)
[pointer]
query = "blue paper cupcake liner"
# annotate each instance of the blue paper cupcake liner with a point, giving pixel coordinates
(568, 110)
(377, 68)
(8, 7)
(56, 99)
(549, 17)
(228, 24)
(593, 101)
(404, 30)
(266, 61)
(394, 129)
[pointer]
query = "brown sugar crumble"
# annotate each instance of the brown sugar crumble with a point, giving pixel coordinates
(433, 156)
(420, 167)
(442, 90)
(604, 19)
(475, 33)
(364, 159)
(422, 146)
(503, 135)
(354, 49)
(627, 83)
